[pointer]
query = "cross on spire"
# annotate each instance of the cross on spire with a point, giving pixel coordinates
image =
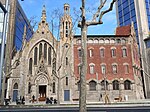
(43, 18)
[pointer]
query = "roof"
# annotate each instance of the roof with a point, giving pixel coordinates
(123, 30)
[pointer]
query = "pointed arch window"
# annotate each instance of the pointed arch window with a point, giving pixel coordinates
(66, 60)
(53, 91)
(29, 88)
(40, 51)
(115, 85)
(35, 55)
(49, 55)
(30, 66)
(45, 52)
(67, 81)
(15, 86)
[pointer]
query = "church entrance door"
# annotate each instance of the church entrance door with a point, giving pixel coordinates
(42, 92)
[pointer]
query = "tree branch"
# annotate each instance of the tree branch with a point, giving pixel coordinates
(102, 3)
(106, 11)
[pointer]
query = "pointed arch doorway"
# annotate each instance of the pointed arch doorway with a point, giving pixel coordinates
(41, 90)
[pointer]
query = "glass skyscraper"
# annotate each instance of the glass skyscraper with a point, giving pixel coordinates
(138, 13)
(16, 22)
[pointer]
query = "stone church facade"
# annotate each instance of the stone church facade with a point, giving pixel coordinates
(50, 68)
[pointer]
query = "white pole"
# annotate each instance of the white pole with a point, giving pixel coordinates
(3, 46)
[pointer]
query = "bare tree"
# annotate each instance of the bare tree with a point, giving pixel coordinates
(83, 24)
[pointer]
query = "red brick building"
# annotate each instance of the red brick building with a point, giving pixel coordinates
(111, 58)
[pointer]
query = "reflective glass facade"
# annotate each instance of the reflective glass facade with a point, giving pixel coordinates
(20, 21)
(1, 22)
(147, 2)
(126, 13)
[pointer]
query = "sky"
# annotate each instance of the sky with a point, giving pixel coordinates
(33, 9)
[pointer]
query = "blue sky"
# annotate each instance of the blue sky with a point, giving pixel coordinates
(33, 8)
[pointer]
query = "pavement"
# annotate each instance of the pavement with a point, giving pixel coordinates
(134, 103)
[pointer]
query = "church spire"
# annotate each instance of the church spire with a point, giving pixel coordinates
(43, 18)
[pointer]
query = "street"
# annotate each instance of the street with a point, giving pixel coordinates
(76, 109)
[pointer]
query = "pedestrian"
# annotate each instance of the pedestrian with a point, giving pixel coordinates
(100, 97)
(33, 98)
(23, 100)
(9, 99)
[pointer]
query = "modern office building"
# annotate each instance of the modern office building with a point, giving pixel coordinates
(138, 12)
(16, 21)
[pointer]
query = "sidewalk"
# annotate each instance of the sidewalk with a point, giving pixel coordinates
(136, 103)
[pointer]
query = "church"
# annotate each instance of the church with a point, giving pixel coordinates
(51, 68)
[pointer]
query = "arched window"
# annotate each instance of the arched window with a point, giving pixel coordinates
(115, 85)
(15, 86)
(66, 29)
(15, 92)
(66, 60)
(66, 81)
(90, 52)
(124, 52)
(49, 55)
(92, 86)
(35, 55)
(53, 91)
(126, 69)
(30, 65)
(45, 52)
(104, 85)
(113, 52)
(102, 53)
(103, 69)
(91, 69)
(79, 69)
(114, 69)
(40, 51)
(127, 85)
(29, 88)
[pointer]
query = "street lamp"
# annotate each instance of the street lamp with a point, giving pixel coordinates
(120, 97)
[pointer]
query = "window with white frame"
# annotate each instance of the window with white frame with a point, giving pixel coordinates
(126, 69)
(113, 52)
(91, 69)
(124, 52)
(114, 69)
(103, 69)
(90, 52)
(79, 69)
(102, 52)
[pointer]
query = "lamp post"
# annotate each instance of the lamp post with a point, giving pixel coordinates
(120, 97)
